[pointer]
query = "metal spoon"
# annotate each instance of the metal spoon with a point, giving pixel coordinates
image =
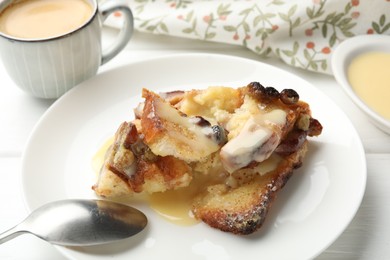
(80, 223)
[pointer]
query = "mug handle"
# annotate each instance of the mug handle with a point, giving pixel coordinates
(126, 32)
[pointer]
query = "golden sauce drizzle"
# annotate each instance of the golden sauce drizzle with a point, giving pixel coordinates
(369, 75)
(174, 206)
(98, 158)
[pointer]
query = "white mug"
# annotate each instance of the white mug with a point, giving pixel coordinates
(49, 67)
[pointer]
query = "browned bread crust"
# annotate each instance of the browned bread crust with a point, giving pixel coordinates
(243, 210)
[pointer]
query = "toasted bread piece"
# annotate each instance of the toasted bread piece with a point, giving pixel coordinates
(171, 132)
(247, 140)
(129, 168)
(243, 209)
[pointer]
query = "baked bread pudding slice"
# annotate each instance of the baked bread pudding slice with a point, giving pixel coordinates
(243, 144)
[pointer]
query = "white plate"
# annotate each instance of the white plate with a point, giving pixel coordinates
(342, 58)
(311, 212)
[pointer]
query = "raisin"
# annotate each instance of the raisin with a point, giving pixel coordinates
(315, 127)
(272, 93)
(257, 90)
(219, 134)
(256, 86)
(289, 96)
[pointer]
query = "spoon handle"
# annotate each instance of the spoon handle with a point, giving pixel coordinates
(10, 234)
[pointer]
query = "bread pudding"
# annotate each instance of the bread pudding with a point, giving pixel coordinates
(243, 143)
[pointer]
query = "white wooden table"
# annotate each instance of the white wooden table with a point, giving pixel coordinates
(367, 237)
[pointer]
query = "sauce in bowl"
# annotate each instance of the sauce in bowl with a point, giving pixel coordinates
(369, 76)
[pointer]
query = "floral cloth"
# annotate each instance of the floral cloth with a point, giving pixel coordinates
(303, 33)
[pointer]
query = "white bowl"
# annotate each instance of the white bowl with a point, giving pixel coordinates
(341, 59)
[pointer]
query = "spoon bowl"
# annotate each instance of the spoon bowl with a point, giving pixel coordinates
(79, 222)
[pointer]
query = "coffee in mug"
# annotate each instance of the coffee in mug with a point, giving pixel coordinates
(50, 46)
(33, 19)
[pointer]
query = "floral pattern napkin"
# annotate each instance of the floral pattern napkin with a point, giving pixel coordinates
(302, 33)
